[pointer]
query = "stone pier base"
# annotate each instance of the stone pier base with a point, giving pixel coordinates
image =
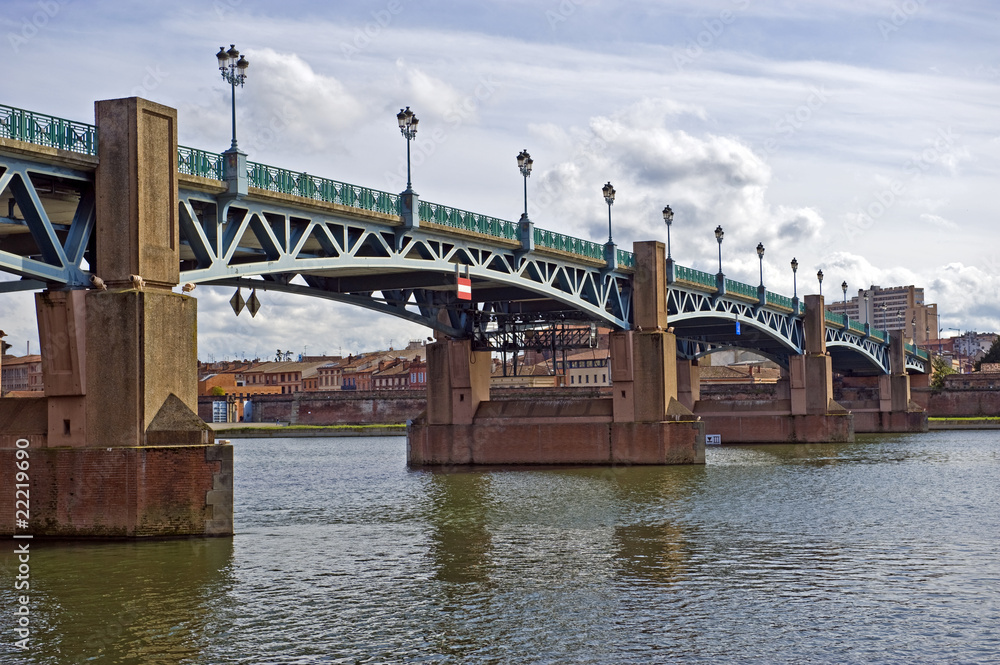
(140, 492)
(760, 426)
(879, 422)
(519, 432)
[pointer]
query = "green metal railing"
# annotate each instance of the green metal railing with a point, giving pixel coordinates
(467, 221)
(192, 161)
(779, 300)
(920, 353)
(283, 181)
(692, 276)
(47, 130)
(856, 326)
(625, 259)
(741, 289)
(833, 317)
(564, 243)
(877, 334)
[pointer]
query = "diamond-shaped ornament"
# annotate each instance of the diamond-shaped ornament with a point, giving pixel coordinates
(252, 303)
(237, 302)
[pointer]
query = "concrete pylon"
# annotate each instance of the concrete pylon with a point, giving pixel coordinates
(688, 382)
(458, 380)
(810, 375)
(125, 454)
(138, 320)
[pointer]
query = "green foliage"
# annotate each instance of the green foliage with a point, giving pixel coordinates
(218, 391)
(941, 368)
(992, 356)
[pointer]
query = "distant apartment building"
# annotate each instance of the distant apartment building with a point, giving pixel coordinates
(391, 375)
(893, 308)
(972, 344)
(290, 377)
(585, 368)
(21, 374)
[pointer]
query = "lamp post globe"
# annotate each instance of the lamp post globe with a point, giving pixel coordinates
(819, 277)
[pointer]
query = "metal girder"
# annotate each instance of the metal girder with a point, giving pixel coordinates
(918, 365)
(349, 259)
(55, 252)
(696, 315)
(866, 349)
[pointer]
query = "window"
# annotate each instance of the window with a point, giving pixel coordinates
(588, 378)
(572, 379)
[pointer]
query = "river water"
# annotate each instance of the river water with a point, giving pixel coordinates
(883, 551)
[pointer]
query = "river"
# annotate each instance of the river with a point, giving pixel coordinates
(882, 551)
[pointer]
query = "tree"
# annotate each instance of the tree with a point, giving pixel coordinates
(941, 368)
(218, 391)
(992, 356)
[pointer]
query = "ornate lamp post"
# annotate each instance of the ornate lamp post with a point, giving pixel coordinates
(761, 291)
(610, 253)
(795, 290)
(819, 277)
(843, 286)
(720, 278)
(668, 218)
(233, 67)
(719, 235)
(525, 228)
(524, 162)
(408, 127)
(609, 198)
(234, 72)
(760, 257)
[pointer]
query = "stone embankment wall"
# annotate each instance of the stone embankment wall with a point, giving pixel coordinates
(958, 402)
(370, 407)
(391, 407)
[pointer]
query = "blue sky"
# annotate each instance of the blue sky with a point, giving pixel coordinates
(860, 137)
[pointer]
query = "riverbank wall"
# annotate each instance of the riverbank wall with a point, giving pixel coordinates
(400, 406)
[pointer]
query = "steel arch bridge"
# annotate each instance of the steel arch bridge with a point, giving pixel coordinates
(298, 233)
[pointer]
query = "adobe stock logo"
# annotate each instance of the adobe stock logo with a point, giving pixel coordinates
(33, 24)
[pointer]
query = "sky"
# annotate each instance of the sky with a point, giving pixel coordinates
(860, 137)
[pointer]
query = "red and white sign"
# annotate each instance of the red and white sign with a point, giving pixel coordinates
(464, 288)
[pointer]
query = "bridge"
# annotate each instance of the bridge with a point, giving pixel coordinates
(299, 233)
(106, 220)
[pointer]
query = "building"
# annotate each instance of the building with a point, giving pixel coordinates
(528, 376)
(972, 344)
(893, 308)
(290, 377)
(21, 374)
(418, 374)
(391, 375)
(585, 368)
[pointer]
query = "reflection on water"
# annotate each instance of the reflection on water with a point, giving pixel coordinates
(880, 551)
(125, 602)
